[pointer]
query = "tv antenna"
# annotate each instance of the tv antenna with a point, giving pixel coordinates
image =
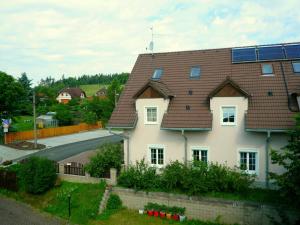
(151, 44)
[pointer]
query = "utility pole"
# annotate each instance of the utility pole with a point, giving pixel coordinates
(34, 121)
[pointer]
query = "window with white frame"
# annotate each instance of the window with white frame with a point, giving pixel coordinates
(200, 155)
(228, 115)
(151, 115)
(157, 156)
(248, 161)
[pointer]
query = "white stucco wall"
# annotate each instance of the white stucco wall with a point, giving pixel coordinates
(223, 142)
(63, 95)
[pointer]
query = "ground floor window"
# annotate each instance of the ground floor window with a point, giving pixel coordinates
(200, 155)
(248, 161)
(157, 156)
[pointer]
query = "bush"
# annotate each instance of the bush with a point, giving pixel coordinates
(38, 175)
(114, 202)
(108, 156)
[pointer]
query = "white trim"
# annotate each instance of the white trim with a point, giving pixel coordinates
(205, 148)
(149, 154)
(235, 116)
(249, 150)
(145, 115)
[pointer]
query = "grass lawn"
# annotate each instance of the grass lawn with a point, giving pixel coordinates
(91, 89)
(23, 123)
(85, 199)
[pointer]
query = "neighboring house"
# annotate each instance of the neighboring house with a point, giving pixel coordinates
(101, 93)
(230, 105)
(66, 94)
(44, 121)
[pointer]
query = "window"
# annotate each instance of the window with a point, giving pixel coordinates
(249, 162)
(296, 67)
(200, 155)
(157, 74)
(157, 156)
(267, 69)
(195, 72)
(151, 115)
(228, 115)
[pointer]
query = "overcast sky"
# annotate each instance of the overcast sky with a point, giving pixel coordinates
(51, 38)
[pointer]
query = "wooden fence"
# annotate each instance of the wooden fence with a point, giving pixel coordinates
(8, 180)
(74, 169)
(50, 132)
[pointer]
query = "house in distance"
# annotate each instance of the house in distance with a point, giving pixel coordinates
(66, 94)
(229, 105)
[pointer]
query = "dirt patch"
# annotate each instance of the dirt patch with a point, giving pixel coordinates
(25, 145)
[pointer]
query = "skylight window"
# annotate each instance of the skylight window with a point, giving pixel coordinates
(296, 66)
(195, 72)
(267, 69)
(157, 74)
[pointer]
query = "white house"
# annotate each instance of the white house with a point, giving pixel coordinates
(66, 94)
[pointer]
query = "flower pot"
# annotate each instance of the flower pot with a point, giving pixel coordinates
(141, 211)
(156, 213)
(175, 217)
(182, 218)
(169, 216)
(150, 212)
(162, 214)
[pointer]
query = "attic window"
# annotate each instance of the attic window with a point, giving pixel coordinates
(270, 93)
(267, 69)
(190, 92)
(187, 107)
(157, 74)
(195, 72)
(296, 66)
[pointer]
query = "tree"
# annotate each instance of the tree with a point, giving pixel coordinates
(11, 92)
(289, 158)
(63, 115)
(113, 91)
(26, 105)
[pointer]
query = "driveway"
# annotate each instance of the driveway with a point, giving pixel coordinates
(16, 213)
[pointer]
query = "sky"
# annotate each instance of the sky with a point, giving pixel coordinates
(52, 38)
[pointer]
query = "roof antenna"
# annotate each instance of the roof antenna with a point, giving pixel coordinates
(151, 44)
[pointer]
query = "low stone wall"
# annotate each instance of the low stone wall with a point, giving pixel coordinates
(226, 211)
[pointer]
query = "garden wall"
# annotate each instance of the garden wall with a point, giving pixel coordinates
(230, 212)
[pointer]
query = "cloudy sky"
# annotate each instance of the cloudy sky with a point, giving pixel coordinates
(51, 38)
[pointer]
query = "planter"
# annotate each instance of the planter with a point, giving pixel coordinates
(169, 216)
(175, 217)
(182, 218)
(162, 214)
(150, 212)
(141, 211)
(156, 213)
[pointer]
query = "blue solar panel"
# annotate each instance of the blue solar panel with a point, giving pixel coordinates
(270, 53)
(292, 51)
(243, 55)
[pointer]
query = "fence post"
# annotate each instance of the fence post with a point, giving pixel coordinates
(113, 176)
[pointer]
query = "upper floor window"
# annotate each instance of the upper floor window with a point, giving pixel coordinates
(157, 156)
(195, 72)
(248, 161)
(151, 115)
(228, 115)
(296, 66)
(157, 74)
(267, 69)
(200, 155)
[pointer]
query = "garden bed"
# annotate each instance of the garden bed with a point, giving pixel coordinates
(25, 145)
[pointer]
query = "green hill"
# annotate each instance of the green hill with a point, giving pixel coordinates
(91, 89)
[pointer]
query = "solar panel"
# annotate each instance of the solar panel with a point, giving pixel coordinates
(292, 51)
(243, 55)
(270, 53)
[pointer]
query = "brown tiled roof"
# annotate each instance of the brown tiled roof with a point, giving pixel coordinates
(264, 111)
(159, 86)
(74, 92)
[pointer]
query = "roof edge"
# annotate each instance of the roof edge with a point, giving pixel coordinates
(266, 130)
(186, 129)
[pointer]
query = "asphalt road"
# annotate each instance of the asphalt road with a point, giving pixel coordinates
(65, 151)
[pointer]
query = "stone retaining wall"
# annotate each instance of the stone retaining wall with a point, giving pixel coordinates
(227, 211)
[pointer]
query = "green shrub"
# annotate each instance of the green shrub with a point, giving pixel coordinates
(108, 156)
(37, 175)
(114, 202)
(164, 208)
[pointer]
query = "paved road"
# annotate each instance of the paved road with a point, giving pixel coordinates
(65, 151)
(16, 213)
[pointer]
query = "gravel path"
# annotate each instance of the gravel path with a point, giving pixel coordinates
(16, 213)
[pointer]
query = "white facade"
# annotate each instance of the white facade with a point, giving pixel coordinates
(223, 143)
(63, 96)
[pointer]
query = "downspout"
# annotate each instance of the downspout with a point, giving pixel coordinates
(185, 146)
(125, 137)
(267, 157)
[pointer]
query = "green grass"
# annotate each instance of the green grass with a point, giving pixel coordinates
(85, 199)
(91, 89)
(23, 123)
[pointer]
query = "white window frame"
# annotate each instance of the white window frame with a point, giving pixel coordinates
(235, 116)
(156, 146)
(199, 148)
(249, 150)
(146, 115)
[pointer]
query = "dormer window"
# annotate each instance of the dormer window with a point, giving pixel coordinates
(151, 115)
(157, 74)
(267, 69)
(296, 66)
(195, 72)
